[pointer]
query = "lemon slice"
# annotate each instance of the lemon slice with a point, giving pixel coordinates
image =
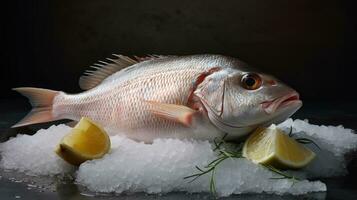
(272, 147)
(86, 141)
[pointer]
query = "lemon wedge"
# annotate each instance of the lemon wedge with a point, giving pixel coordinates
(271, 146)
(86, 141)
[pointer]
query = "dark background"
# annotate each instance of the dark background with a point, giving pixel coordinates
(310, 45)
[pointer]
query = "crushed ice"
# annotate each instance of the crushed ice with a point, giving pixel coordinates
(34, 154)
(160, 167)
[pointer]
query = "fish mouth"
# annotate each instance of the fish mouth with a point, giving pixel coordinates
(287, 100)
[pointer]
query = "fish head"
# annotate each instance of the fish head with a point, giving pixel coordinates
(239, 101)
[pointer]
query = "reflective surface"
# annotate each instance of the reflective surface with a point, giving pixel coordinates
(15, 185)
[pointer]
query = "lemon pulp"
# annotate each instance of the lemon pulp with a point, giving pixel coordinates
(86, 141)
(272, 147)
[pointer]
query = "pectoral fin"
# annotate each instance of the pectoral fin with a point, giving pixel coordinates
(177, 113)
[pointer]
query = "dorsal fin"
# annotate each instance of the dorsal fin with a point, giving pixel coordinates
(102, 69)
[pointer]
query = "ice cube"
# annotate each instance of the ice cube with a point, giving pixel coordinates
(160, 167)
(34, 154)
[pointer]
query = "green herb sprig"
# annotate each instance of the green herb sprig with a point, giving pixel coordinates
(236, 152)
(211, 167)
(302, 140)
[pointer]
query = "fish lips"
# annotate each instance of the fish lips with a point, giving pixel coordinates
(289, 100)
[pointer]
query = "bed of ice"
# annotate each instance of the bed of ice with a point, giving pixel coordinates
(160, 167)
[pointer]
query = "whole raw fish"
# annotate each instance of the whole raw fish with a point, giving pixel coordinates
(199, 96)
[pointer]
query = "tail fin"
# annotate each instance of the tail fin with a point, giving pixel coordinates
(41, 101)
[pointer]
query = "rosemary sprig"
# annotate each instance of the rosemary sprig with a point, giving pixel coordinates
(307, 141)
(279, 172)
(211, 167)
(302, 140)
(224, 153)
(220, 142)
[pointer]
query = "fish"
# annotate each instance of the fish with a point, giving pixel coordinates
(144, 98)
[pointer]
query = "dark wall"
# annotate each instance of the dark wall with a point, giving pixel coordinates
(308, 44)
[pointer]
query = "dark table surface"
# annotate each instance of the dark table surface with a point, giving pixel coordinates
(16, 186)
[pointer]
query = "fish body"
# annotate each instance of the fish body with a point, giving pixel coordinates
(198, 96)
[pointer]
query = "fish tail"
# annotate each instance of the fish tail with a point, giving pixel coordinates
(41, 101)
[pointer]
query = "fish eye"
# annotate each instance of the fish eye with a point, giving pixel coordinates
(251, 81)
